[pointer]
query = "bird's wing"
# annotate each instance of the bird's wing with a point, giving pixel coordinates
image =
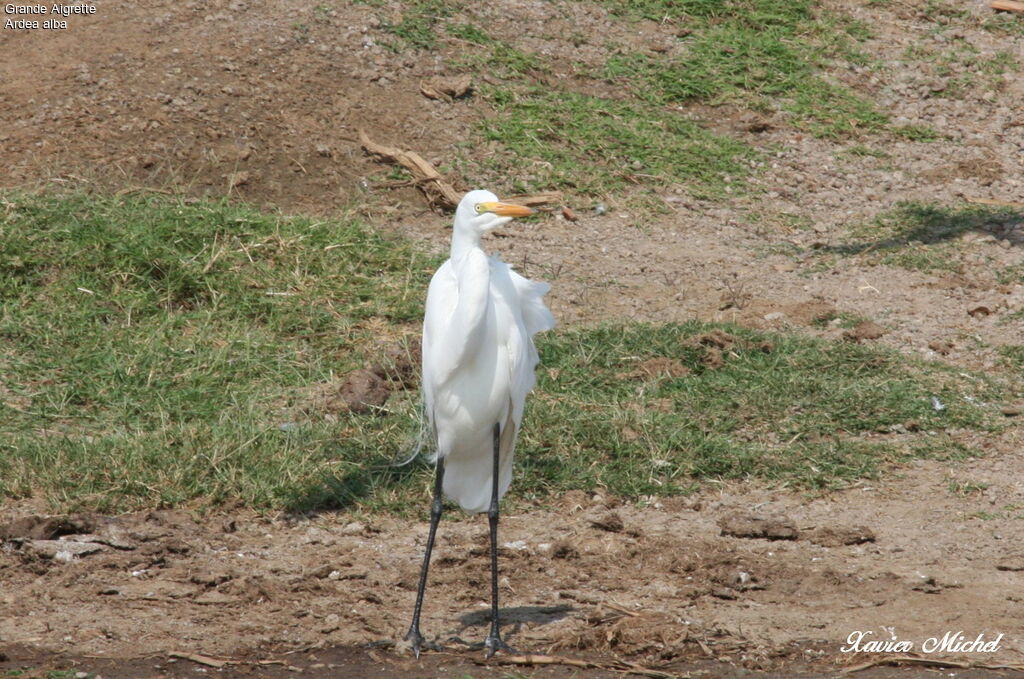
(536, 315)
(442, 296)
(525, 299)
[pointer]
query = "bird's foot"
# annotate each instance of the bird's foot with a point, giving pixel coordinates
(415, 642)
(493, 644)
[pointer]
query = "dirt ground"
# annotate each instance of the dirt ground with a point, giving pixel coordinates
(261, 101)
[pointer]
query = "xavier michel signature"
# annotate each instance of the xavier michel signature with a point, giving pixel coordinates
(950, 642)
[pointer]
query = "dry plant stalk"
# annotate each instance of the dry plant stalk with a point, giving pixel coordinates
(617, 666)
(439, 193)
(991, 201)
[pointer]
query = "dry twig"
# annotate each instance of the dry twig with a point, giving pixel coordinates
(928, 662)
(200, 659)
(439, 193)
(219, 662)
(617, 666)
(990, 201)
(536, 199)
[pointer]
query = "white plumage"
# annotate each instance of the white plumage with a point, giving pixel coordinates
(478, 362)
(478, 353)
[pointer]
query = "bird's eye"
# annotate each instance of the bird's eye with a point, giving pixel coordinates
(479, 208)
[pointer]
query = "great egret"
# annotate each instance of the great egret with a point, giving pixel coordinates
(478, 363)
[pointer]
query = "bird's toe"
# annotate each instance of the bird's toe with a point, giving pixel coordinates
(494, 643)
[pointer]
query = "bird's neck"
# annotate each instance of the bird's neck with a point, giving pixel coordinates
(463, 243)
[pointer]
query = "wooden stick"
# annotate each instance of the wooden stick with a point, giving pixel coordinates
(426, 178)
(1008, 6)
(438, 192)
(618, 666)
(200, 659)
(619, 609)
(535, 199)
(990, 201)
(929, 662)
(213, 662)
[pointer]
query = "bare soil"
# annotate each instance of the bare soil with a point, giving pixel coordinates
(261, 101)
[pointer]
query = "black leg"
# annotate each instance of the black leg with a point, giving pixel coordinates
(494, 642)
(413, 636)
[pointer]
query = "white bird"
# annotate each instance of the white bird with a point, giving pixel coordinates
(478, 363)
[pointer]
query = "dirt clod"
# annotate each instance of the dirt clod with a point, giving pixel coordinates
(447, 88)
(836, 536)
(400, 363)
(563, 549)
(742, 525)
(718, 339)
(1011, 563)
(47, 527)
(362, 391)
(610, 522)
(865, 330)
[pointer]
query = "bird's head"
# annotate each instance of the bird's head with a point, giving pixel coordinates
(481, 211)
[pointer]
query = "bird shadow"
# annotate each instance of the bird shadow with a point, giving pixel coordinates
(931, 224)
(338, 492)
(517, 615)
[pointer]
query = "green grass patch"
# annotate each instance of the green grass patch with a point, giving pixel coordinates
(155, 353)
(419, 19)
(150, 349)
(756, 53)
(1013, 356)
(470, 33)
(796, 411)
(590, 145)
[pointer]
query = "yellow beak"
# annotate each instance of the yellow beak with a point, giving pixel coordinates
(507, 209)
